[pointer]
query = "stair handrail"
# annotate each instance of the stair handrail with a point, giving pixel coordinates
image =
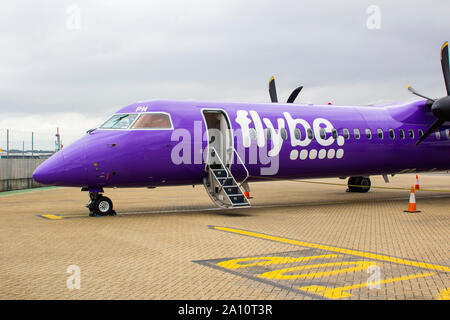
(229, 174)
(223, 165)
(242, 162)
(221, 162)
(228, 171)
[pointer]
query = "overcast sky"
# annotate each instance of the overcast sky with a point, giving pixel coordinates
(58, 73)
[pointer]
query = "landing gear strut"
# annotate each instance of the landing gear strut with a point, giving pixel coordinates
(358, 184)
(100, 205)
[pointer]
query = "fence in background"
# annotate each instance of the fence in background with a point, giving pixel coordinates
(18, 144)
(21, 152)
(16, 174)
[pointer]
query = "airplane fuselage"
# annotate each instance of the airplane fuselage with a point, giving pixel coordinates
(317, 141)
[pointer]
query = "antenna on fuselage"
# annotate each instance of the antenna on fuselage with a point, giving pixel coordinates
(273, 92)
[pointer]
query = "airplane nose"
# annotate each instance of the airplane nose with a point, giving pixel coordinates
(51, 171)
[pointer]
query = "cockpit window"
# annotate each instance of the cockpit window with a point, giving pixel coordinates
(119, 121)
(153, 121)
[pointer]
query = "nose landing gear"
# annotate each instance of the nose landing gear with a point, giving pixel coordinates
(358, 184)
(100, 205)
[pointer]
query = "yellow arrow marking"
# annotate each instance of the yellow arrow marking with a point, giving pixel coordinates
(444, 294)
(338, 293)
(280, 274)
(265, 261)
(357, 253)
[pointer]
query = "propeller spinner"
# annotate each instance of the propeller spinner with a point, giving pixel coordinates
(440, 107)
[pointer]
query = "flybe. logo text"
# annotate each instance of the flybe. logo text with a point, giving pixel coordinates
(296, 131)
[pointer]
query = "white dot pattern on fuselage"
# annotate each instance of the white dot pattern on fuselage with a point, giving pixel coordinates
(303, 154)
(331, 153)
(294, 154)
(322, 153)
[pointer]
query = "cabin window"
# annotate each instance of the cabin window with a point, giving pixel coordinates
(447, 133)
(119, 121)
(437, 133)
(152, 121)
(252, 132)
(346, 134)
(310, 134)
(391, 133)
(380, 133)
(401, 133)
(268, 134)
(283, 133)
(368, 134)
(334, 133)
(420, 133)
(356, 134)
(297, 134)
(322, 133)
(411, 133)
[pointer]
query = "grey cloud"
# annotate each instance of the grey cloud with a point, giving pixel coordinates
(128, 51)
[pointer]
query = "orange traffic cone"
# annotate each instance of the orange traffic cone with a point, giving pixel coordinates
(417, 187)
(412, 202)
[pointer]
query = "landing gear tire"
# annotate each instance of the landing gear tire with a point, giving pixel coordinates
(359, 184)
(100, 205)
(103, 206)
(365, 185)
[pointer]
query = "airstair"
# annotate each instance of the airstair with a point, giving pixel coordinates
(221, 185)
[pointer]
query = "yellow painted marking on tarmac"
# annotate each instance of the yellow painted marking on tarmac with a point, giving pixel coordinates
(280, 274)
(338, 293)
(59, 217)
(444, 294)
(52, 216)
(234, 264)
(357, 253)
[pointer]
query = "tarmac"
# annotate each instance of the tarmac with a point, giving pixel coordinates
(299, 240)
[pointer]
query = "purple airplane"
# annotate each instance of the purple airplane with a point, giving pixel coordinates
(224, 146)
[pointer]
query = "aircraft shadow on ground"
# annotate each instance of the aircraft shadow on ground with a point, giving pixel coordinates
(262, 208)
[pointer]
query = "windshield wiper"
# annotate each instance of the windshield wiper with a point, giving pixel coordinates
(118, 119)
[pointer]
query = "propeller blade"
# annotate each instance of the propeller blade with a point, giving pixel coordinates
(430, 130)
(445, 67)
(413, 91)
(294, 94)
(273, 90)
